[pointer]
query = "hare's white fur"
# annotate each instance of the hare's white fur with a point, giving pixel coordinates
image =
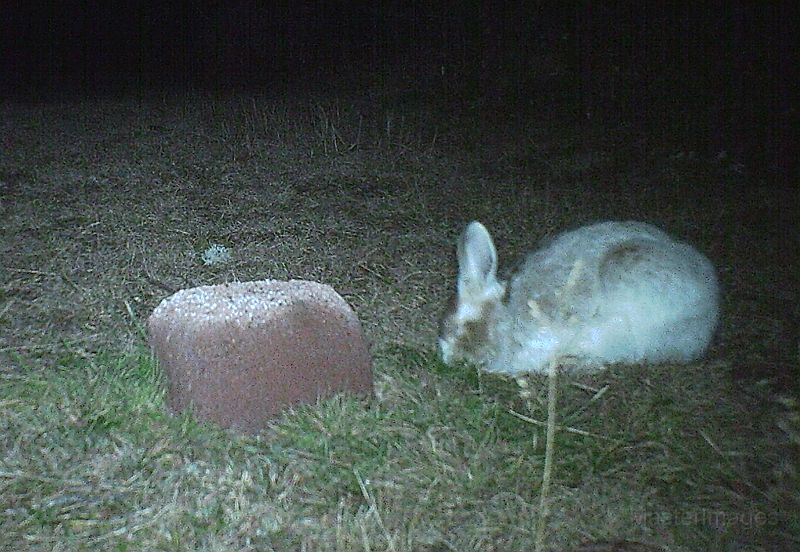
(613, 292)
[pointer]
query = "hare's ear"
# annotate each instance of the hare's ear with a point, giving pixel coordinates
(477, 263)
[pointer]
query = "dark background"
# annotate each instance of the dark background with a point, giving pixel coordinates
(729, 68)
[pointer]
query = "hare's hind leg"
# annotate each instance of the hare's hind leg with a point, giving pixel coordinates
(655, 302)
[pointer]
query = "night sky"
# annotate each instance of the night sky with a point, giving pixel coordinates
(735, 63)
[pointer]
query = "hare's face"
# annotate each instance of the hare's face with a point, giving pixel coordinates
(467, 330)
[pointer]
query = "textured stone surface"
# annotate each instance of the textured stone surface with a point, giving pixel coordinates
(238, 354)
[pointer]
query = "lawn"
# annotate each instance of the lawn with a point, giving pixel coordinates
(108, 206)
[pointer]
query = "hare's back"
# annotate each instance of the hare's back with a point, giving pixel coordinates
(630, 258)
(584, 249)
(596, 239)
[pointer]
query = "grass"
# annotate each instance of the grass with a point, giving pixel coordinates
(108, 205)
(437, 462)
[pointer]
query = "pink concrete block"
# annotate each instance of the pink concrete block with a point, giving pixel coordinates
(239, 354)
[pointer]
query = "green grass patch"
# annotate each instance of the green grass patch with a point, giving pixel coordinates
(444, 458)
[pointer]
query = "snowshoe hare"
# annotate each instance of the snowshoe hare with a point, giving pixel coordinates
(613, 292)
